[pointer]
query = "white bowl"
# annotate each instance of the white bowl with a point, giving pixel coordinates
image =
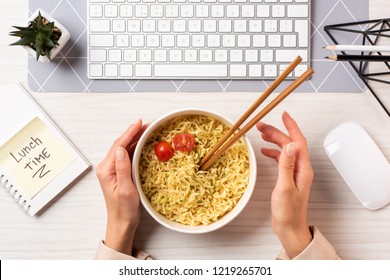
(228, 217)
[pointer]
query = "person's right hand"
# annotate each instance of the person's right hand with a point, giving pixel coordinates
(290, 196)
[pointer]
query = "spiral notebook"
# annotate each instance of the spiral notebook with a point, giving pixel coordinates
(37, 161)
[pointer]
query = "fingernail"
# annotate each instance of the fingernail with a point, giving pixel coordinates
(120, 153)
(290, 149)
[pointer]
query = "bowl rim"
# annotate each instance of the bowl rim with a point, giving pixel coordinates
(175, 226)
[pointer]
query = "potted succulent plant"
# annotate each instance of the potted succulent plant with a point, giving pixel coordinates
(43, 37)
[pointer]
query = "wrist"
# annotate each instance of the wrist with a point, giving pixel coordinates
(120, 238)
(295, 241)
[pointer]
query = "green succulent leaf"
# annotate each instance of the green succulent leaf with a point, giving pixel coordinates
(21, 28)
(23, 42)
(49, 43)
(24, 33)
(40, 25)
(47, 53)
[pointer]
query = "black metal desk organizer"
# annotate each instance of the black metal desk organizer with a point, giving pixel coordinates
(375, 30)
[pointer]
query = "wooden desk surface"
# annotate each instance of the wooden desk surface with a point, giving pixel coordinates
(72, 227)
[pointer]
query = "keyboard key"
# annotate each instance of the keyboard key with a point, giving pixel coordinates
(221, 55)
(95, 11)
(114, 55)
(183, 40)
(251, 55)
(286, 25)
(202, 11)
(228, 40)
(119, 25)
(190, 70)
(145, 55)
(99, 25)
(149, 26)
(96, 70)
(194, 25)
(122, 40)
(299, 70)
(225, 26)
(289, 41)
(232, 11)
(111, 70)
(302, 27)
(179, 25)
(240, 25)
(237, 70)
(152, 40)
(168, 40)
(248, 11)
(111, 11)
(213, 41)
(290, 55)
(254, 70)
(101, 40)
(258, 41)
(164, 25)
(299, 11)
(175, 55)
(137, 40)
(190, 55)
(156, 11)
(263, 11)
(130, 55)
(171, 11)
(267, 55)
(278, 11)
(126, 11)
(255, 26)
(274, 41)
(210, 26)
(160, 55)
(141, 11)
(243, 41)
(236, 56)
(133, 25)
(187, 11)
(270, 25)
(217, 11)
(98, 55)
(198, 41)
(143, 70)
(126, 70)
(206, 55)
(270, 71)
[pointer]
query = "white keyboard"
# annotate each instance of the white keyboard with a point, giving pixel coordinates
(196, 39)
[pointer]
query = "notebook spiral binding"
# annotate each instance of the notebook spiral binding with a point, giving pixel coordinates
(13, 193)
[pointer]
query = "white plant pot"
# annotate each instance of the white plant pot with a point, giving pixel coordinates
(62, 41)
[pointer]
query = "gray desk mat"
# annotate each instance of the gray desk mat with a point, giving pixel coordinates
(68, 71)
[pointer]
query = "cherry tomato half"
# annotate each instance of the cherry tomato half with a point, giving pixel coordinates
(184, 142)
(163, 151)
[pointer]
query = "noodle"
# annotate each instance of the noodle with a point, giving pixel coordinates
(177, 190)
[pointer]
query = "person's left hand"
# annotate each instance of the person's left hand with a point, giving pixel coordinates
(120, 194)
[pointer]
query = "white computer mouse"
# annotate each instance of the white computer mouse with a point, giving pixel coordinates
(361, 164)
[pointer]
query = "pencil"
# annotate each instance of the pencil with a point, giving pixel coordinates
(380, 58)
(360, 48)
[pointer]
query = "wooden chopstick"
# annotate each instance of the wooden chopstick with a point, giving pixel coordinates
(257, 118)
(253, 107)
